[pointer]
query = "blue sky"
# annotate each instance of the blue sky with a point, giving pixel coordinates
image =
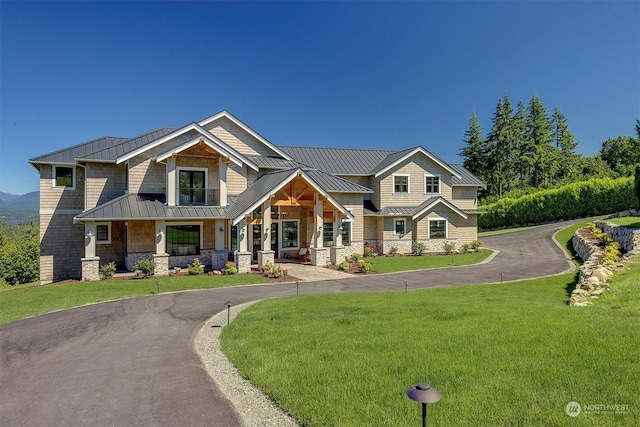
(356, 74)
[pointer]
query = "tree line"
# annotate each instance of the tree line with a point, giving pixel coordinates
(19, 253)
(528, 148)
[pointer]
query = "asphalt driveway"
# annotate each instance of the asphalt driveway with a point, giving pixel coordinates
(132, 362)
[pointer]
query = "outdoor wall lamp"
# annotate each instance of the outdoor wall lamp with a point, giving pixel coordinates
(424, 393)
(89, 235)
(221, 229)
(160, 233)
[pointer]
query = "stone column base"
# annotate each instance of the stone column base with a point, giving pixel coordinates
(265, 257)
(161, 264)
(90, 268)
(338, 254)
(243, 262)
(218, 259)
(319, 256)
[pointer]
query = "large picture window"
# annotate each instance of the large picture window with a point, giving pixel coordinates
(437, 229)
(289, 234)
(183, 240)
(431, 184)
(64, 177)
(400, 184)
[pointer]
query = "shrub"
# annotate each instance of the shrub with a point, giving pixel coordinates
(20, 255)
(370, 250)
(273, 271)
(356, 257)
(466, 247)
(107, 271)
(393, 251)
(343, 266)
(144, 268)
(418, 248)
(365, 267)
(449, 247)
(230, 268)
(196, 267)
(475, 245)
(612, 253)
(265, 269)
(177, 270)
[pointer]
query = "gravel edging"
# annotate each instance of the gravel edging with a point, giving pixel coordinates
(254, 407)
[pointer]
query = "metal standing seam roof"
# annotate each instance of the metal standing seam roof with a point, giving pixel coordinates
(466, 178)
(69, 155)
(371, 210)
(111, 154)
(338, 161)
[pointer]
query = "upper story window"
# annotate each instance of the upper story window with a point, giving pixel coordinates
(64, 177)
(192, 187)
(431, 183)
(400, 184)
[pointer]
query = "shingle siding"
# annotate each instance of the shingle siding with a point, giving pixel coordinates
(61, 247)
(104, 182)
(237, 138)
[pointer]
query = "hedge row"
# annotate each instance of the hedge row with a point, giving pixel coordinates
(577, 200)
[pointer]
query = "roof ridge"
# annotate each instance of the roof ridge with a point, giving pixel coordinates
(337, 148)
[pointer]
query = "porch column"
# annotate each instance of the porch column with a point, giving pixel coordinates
(266, 255)
(338, 252)
(161, 257)
(318, 252)
(219, 254)
(90, 262)
(243, 256)
(222, 172)
(172, 182)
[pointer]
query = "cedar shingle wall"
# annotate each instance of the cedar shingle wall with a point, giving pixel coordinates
(104, 182)
(113, 252)
(61, 247)
(142, 236)
(58, 198)
(465, 197)
(237, 138)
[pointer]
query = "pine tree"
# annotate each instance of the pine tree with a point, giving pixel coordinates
(521, 148)
(474, 153)
(500, 146)
(539, 137)
(565, 156)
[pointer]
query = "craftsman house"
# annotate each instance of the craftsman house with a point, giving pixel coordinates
(218, 190)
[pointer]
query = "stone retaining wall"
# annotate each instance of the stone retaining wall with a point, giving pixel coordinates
(593, 277)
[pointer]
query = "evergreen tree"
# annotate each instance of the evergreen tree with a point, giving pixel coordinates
(637, 182)
(474, 153)
(621, 154)
(565, 145)
(521, 148)
(500, 146)
(539, 138)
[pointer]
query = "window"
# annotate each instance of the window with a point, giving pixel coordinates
(64, 177)
(183, 240)
(400, 184)
(431, 184)
(103, 233)
(234, 238)
(327, 234)
(400, 226)
(191, 187)
(346, 233)
(289, 234)
(437, 229)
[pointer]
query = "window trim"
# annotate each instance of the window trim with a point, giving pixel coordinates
(393, 188)
(432, 175)
(404, 227)
(446, 227)
(54, 176)
(103, 242)
(350, 233)
(281, 231)
(171, 224)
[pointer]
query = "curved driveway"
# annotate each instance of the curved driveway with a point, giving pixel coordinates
(132, 362)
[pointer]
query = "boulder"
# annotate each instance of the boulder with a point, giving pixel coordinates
(591, 283)
(603, 274)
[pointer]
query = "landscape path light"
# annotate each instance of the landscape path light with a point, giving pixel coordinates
(424, 393)
(228, 304)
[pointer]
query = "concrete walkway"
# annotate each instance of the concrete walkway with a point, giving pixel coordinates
(132, 361)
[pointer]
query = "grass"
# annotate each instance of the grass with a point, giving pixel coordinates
(504, 354)
(383, 264)
(629, 221)
(23, 301)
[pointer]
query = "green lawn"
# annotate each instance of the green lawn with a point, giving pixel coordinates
(629, 221)
(383, 264)
(23, 301)
(504, 354)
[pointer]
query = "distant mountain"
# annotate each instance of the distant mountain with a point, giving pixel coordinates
(18, 209)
